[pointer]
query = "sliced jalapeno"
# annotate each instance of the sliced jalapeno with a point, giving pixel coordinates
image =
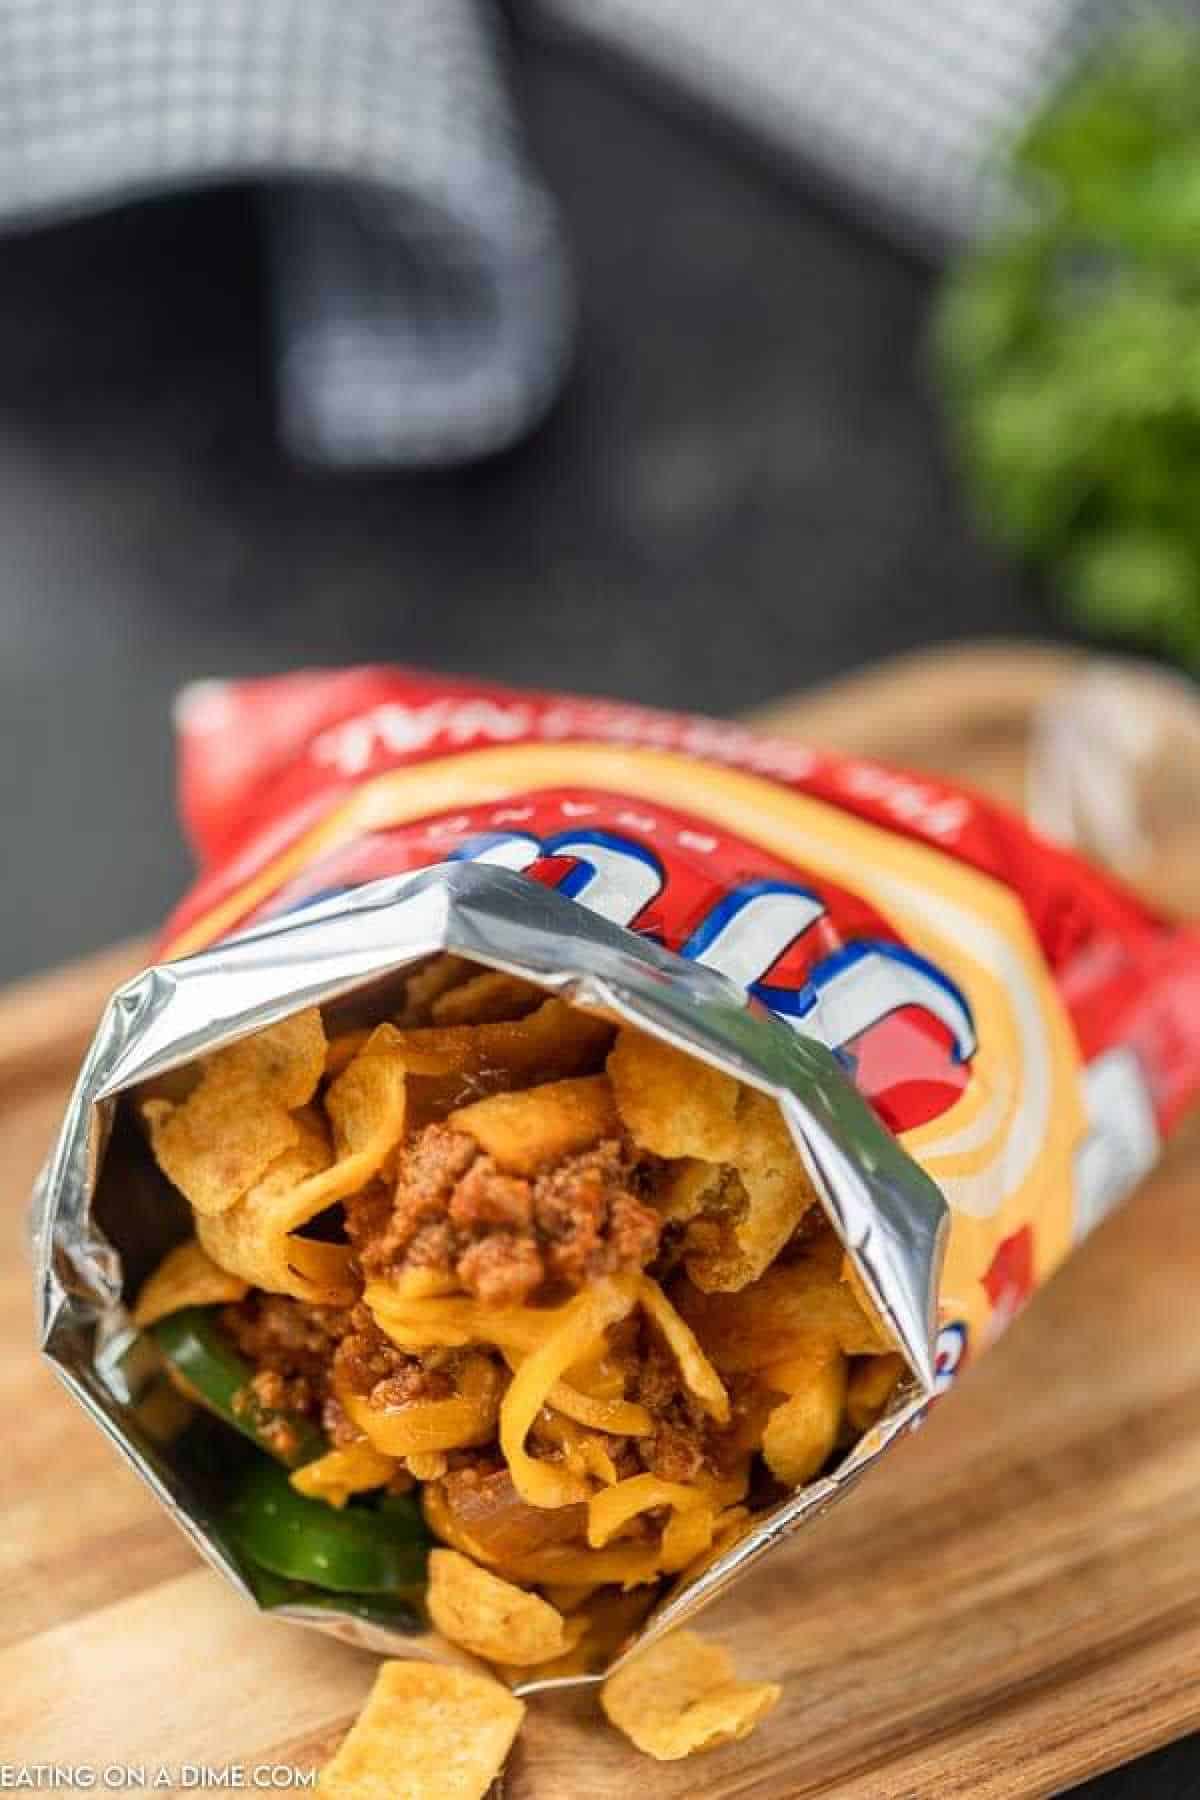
(361, 1549)
(211, 1368)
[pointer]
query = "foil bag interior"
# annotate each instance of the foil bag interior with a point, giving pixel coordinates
(103, 1215)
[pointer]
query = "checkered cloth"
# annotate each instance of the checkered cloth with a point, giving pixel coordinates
(422, 299)
(420, 283)
(903, 105)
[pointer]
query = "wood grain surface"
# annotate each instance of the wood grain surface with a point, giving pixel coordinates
(1010, 1603)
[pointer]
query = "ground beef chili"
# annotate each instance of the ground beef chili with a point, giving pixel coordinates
(302, 1355)
(291, 1346)
(506, 1238)
(367, 1362)
(685, 1440)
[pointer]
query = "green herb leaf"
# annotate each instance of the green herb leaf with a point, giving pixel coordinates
(1069, 347)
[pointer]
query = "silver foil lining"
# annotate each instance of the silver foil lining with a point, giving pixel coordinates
(102, 1214)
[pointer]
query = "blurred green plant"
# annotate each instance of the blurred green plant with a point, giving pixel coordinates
(1070, 346)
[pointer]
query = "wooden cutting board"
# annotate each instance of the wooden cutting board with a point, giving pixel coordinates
(1010, 1603)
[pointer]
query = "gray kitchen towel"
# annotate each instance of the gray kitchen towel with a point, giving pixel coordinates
(903, 106)
(421, 292)
(420, 283)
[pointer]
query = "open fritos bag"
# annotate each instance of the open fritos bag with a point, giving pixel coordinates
(563, 1144)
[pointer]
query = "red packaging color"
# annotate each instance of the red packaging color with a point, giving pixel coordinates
(1025, 1026)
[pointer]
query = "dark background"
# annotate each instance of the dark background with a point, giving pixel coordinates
(744, 490)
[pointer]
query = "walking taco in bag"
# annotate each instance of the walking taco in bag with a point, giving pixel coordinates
(564, 1143)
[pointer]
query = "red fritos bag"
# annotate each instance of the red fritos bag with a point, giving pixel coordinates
(1026, 1028)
